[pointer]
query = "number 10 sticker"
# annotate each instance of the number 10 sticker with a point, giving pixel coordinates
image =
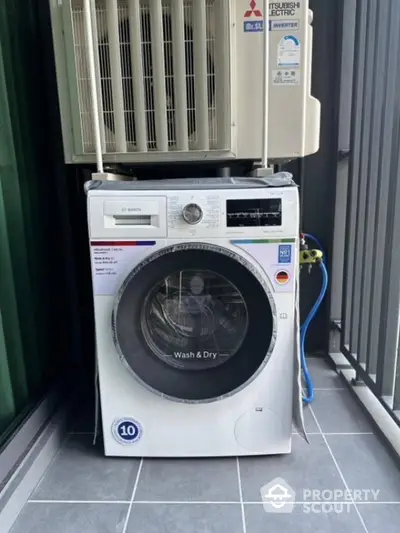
(127, 430)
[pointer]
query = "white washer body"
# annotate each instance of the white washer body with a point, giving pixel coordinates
(128, 222)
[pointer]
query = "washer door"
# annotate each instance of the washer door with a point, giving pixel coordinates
(194, 322)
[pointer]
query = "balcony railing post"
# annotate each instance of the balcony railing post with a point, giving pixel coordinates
(354, 171)
(370, 304)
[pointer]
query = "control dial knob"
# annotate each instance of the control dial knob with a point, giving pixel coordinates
(192, 214)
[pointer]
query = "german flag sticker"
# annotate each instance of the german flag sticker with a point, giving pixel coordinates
(282, 277)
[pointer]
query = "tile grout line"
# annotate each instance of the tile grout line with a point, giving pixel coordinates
(186, 502)
(128, 514)
(105, 502)
(346, 434)
(339, 471)
(329, 388)
(241, 495)
(294, 432)
(335, 434)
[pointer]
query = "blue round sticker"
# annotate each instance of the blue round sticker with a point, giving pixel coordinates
(127, 430)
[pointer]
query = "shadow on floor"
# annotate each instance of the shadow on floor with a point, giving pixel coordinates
(344, 479)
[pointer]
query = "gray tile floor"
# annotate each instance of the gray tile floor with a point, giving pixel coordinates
(84, 492)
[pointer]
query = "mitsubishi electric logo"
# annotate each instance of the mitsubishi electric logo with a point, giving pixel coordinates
(253, 10)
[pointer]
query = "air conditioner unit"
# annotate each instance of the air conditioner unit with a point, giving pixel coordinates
(182, 80)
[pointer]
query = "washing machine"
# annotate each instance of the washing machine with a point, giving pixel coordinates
(196, 315)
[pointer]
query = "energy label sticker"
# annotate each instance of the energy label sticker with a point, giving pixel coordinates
(289, 52)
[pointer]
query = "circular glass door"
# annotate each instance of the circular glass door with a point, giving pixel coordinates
(194, 319)
(193, 322)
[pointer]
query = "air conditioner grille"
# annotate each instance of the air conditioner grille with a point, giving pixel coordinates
(171, 101)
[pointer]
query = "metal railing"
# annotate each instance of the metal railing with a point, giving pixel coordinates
(365, 302)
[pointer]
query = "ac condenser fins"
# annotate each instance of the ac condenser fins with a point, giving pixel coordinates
(183, 80)
(172, 93)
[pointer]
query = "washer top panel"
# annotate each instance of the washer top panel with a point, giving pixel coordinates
(281, 179)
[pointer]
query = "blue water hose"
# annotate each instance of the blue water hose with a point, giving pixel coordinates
(304, 328)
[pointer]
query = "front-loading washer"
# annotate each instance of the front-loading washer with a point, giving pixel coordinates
(196, 315)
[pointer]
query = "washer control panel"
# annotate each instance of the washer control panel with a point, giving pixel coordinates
(254, 212)
(191, 215)
(233, 214)
(194, 214)
(210, 214)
